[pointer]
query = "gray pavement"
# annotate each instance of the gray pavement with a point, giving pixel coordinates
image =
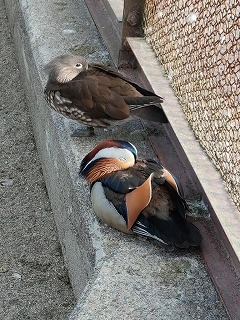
(114, 276)
(34, 282)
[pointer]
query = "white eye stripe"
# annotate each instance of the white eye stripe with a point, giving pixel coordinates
(112, 152)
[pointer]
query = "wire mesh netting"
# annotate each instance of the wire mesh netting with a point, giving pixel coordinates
(198, 44)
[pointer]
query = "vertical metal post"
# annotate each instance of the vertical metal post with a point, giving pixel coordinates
(131, 27)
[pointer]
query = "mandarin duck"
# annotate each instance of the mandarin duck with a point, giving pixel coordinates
(96, 95)
(137, 195)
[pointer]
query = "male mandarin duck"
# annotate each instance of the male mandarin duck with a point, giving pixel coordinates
(137, 196)
(96, 95)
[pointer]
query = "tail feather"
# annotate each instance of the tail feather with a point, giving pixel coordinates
(180, 232)
(147, 108)
(150, 113)
(143, 101)
(194, 235)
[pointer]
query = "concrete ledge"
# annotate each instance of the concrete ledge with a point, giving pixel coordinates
(223, 210)
(114, 276)
(225, 218)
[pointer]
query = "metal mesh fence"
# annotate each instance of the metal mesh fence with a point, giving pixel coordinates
(198, 44)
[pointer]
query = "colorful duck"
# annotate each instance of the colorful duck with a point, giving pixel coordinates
(137, 195)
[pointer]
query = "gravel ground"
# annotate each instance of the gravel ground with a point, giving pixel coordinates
(34, 280)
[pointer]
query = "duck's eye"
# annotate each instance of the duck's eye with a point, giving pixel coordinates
(78, 65)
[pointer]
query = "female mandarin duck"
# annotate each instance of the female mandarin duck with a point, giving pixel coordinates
(96, 95)
(137, 196)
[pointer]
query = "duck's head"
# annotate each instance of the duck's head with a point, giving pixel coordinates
(107, 157)
(65, 68)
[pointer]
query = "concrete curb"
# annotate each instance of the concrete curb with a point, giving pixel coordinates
(113, 276)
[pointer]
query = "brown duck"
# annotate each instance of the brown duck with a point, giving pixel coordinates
(137, 196)
(96, 95)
